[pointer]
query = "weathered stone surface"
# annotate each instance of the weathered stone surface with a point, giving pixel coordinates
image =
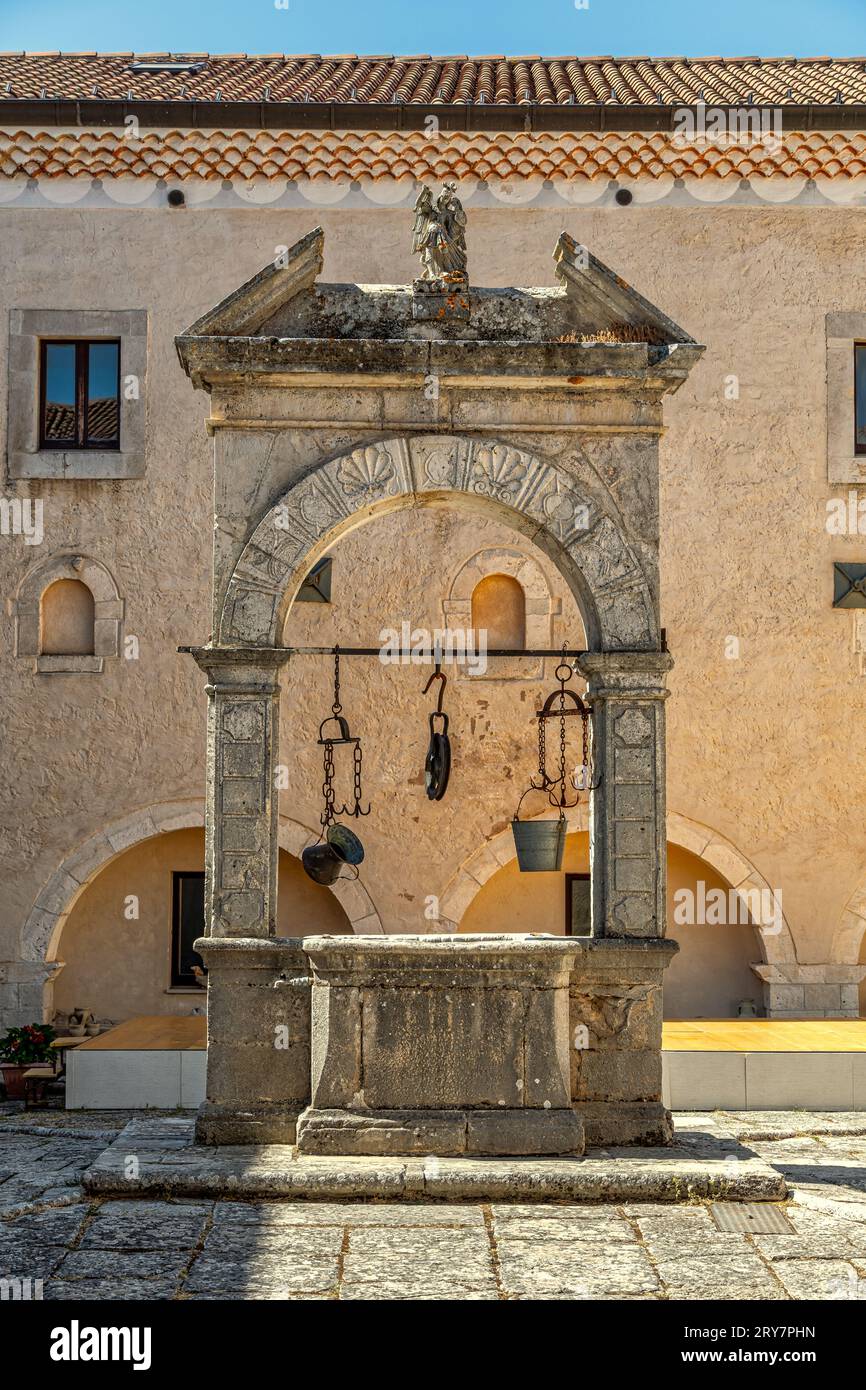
(411, 1034)
(382, 1132)
(527, 1266)
(625, 1122)
(530, 1132)
(241, 1123)
(723, 1271)
(640, 1210)
(617, 1076)
(258, 1076)
(633, 1174)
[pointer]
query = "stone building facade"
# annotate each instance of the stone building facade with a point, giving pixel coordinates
(132, 201)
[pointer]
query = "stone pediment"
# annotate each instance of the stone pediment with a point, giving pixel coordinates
(242, 313)
(284, 320)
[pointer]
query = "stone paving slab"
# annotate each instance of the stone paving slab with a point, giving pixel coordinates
(95, 1247)
(160, 1158)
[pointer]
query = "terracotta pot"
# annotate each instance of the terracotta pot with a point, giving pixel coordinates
(13, 1079)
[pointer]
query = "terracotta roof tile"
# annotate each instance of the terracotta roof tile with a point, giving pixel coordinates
(373, 155)
(423, 79)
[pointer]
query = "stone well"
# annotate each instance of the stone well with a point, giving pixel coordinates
(440, 1045)
(547, 415)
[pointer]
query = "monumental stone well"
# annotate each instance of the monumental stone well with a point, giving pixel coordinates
(546, 415)
(440, 1045)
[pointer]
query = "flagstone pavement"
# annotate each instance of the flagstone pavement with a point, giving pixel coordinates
(85, 1247)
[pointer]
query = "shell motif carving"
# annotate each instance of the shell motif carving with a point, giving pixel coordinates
(498, 471)
(367, 473)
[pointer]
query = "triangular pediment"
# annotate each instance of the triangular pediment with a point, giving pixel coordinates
(242, 313)
(591, 304)
(600, 301)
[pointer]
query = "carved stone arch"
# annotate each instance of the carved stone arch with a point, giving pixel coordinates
(107, 604)
(42, 931)
(777, 947)
(560, 514)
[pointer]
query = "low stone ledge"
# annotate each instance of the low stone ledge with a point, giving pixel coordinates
(169, 1163)
(625, 1122)
(440, 1132)
(239, 1124)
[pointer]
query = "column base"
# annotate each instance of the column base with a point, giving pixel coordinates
(623, 1122)
(245, 1124)
(380, 1133)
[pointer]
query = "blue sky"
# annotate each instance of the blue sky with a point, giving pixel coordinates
(550, 27)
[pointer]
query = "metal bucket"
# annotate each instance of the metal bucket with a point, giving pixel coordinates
(539, 845)
(323, 862)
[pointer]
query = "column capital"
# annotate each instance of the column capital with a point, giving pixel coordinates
(254, 669)
(625, 675)
(625, 665)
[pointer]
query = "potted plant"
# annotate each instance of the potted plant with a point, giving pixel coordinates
(20, 1049)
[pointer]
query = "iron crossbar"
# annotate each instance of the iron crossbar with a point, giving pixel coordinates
(410, 651)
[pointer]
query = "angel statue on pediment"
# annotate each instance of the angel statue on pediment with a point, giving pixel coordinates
(439, 234)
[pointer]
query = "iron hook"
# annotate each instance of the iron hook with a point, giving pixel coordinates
(437, 675)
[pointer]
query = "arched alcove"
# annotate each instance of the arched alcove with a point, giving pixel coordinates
(66, 619)
(42, 933)
(710, 975)
(116, 947)
(68, 614)
(499, 611)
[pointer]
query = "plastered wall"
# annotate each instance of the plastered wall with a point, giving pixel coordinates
(765, 746)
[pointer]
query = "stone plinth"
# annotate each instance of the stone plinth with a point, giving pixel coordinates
(828, 990)
(258, 1064)
(440, 1045)
(616, 1039)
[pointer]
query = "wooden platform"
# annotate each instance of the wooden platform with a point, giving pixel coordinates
(154, 1062)
(764, 1064)
(152, 1033)
(158, 1033)
(764, 1035)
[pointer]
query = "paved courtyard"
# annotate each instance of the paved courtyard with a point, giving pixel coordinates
(84, 1247)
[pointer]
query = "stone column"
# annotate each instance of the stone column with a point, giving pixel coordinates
(241, 816)
(616, 986)
(627, 813)
(258, 1065)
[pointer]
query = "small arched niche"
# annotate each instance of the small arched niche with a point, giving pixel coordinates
(504, 591)
(499, 611)
(67, 615)
(66, 618)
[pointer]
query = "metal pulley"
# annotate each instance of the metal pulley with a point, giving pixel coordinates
(437, 765)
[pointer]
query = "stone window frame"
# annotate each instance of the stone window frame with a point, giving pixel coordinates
(541, 607)
(108, 611)
(27, 329)
(843, 332)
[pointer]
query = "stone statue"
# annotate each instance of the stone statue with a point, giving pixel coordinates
(439, 234)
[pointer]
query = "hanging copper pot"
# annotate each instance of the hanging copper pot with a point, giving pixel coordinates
(324, 860)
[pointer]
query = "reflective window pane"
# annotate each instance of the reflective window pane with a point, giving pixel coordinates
(102, 405)
(59, 422)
